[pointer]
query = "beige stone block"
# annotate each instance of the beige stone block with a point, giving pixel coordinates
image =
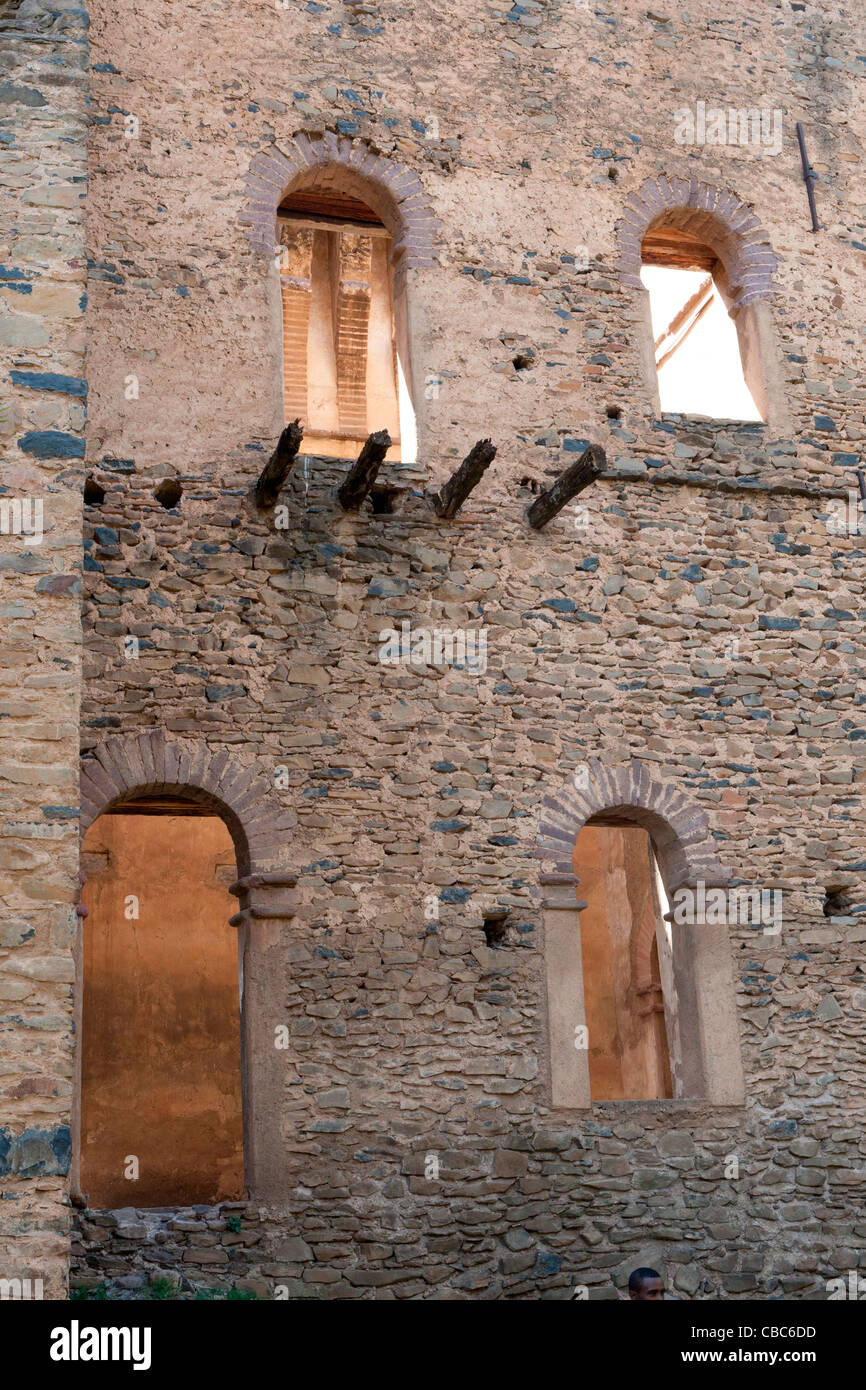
(53, 298)
(308, 675)
(54, 196)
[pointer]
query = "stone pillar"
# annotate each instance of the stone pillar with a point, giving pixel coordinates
(709, 1028)
(43, 179)
(569, 1064)
(267, 905)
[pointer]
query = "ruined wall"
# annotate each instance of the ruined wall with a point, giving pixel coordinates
(697, 611)
(43, 168)
(411, 1038)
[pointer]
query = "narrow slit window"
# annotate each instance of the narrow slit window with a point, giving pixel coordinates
(342, 374)
(696, 342)
(629, 995)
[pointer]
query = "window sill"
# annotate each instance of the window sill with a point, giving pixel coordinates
(666, 1106)
(714, 422)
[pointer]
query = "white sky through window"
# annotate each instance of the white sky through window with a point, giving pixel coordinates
(704, 375)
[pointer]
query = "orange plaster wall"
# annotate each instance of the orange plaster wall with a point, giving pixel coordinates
(161, 1060)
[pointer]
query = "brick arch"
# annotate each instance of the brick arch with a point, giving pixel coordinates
(327, 162)
(150, 764)
(716, 216)
(633, 792)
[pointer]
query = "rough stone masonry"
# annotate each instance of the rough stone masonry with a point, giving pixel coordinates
(44, 61)
(696, 640)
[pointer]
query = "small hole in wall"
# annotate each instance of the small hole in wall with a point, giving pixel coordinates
(531, 483)
(169, 493)
(523, 360)
(614, 412)
(613, 173)
(94, 495)
(385, 499)
(838, 900)
(494, 927)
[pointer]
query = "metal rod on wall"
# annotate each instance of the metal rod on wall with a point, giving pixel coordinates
(809, 177)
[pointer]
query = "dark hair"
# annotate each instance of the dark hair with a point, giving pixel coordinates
(639, 1277)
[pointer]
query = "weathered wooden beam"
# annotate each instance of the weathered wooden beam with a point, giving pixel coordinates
(670, 246)
(362, 474)
(279, 465)
(448, 502)
(694, 302)
(666, 356)
(588, 467)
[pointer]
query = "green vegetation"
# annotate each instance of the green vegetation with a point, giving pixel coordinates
(161, 1289)
(231, 1295)
(84, 1294)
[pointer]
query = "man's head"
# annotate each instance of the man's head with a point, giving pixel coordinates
(645, 1283)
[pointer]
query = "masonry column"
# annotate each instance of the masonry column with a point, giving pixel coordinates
(42, 193)
(569, 1055)
(268, 903)
(712, 1062)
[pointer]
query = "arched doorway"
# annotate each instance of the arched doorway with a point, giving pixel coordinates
(177, 779)
(161, 1075)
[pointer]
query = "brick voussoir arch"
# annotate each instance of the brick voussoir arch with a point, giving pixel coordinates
(633, 791)
(149, 764)
(326, 162)
(716, 215)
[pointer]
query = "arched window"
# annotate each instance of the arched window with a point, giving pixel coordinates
(640, 1002)
(706, 266)
(697, 352)
(341, 368)
(178, 981)
(353, 229)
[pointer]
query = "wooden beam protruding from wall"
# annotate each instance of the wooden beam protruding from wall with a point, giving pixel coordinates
(279, 465)
(588, 467)
(362, 474)
(448, 502)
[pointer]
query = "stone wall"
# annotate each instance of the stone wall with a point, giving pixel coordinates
(411, 1037)
(186, 1250)
(523, 1212)
(532, 130)
(696, 611)
(44, 59)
